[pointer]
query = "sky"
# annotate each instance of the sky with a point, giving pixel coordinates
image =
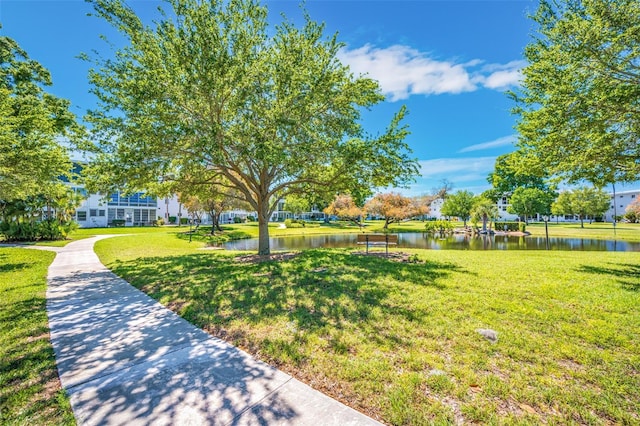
(449, 61)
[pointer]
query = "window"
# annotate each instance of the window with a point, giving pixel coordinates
(93, 212)
(633, 195)
(82, 216)
(101, 213)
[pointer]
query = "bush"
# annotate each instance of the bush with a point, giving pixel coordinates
(159, 222)
(294, 223)
(172, 220)
(117, 222)
(522, 227)
(632, 217)
(50, 229)
(438, 226)
(510, 226)
(251, 218)
(184, 220)
(237, 219)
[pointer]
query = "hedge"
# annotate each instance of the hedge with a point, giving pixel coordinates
(510, 226)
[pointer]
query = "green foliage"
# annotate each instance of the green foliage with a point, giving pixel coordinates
(526, 202)
(484, 210)
(172, 220)
(294, 223)
(578, 104)
(39, 217)
(211, 91)
(522, 226)
(510, 226)
(30, 122)
(508, 175)
(458, 204)
(118, 222)
(438, 226)
(582, 202)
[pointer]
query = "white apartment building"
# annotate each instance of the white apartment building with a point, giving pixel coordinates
(620, 203)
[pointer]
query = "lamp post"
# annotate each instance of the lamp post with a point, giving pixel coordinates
(546, 229)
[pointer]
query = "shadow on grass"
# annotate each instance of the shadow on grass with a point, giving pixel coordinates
(314, 290)
(628, 274)
(6, 266)
(203, 234)
(29, 384)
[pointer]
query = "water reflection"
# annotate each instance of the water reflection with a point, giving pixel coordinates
(453, 242)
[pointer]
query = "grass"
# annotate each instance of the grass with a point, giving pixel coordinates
(30, 391)
(399, 341)
(624, 231)
(597, 230)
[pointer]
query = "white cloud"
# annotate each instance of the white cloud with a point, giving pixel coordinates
(501, 76)
(403, 71)
(455, 168)
(503, 141)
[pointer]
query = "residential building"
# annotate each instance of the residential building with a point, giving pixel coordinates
(620, 202)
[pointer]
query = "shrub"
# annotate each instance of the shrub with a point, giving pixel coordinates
(251, 218)
(117, 222)
(159, 222)
(509, 226)
(184, 220)
(441, 226)
(237, 219)
(522, 227)
(294, 223)
(172, 220)
(631, 217)
(50, 229)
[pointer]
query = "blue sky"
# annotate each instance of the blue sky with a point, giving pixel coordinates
(449, 62)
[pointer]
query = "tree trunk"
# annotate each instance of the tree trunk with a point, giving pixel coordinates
(484, 223)
(263, 230)
(581, 222)
(217, 221)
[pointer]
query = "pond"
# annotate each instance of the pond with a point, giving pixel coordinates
(453, 242)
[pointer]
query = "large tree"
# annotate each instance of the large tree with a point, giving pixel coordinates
(394, 207)
(271, 111)
(459, 204)
(582, 202)
(344, 207)
(579, 105)
(526, 202)
(31, 121)
(507, 176)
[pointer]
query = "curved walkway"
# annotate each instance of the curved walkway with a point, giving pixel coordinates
(125, 359)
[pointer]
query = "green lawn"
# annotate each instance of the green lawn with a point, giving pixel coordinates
(596, 230)
(30, 391)
(624, 231)
(398, 341)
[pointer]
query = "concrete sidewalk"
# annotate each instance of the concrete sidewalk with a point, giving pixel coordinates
(124, 359)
